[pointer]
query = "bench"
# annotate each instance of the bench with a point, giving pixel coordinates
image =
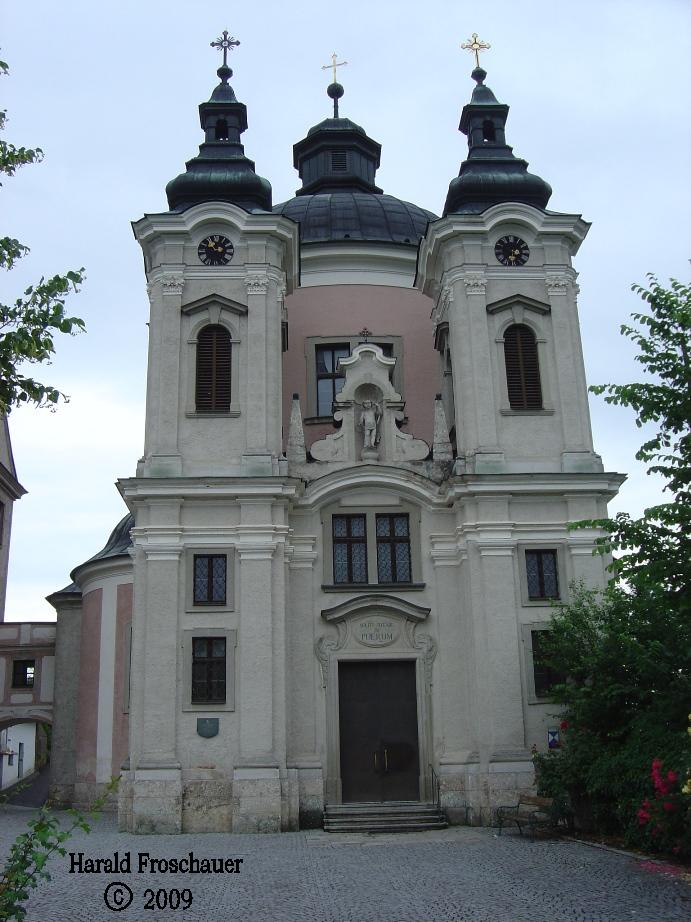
(531, 811)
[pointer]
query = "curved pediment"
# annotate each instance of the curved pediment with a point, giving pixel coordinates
(364, 604)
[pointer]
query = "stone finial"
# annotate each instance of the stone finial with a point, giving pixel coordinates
(441, 446)
(295, 449)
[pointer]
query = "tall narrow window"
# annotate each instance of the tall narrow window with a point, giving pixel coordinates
(329, 378)
(221, 130)
(541, 571)
(210, 579)
(213, 370)
(393, 549)
(545, 676)
(522, 368)
(208, 670)
(349, 548)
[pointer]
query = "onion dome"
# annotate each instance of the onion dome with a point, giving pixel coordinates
(491, 174)
(339, 200)
(221, 172)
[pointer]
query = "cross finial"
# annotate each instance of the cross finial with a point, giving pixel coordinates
(334, 64)
(225, 42)
(475, 45)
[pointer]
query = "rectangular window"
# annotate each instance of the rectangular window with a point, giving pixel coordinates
(339, 161)
(349, 548)
(541, 571)
(208, 670)
(329, 378)
(210, 579)
(545, 676)
(393, 549)
(23, 671)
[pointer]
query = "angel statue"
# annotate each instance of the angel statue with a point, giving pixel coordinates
(369, 421)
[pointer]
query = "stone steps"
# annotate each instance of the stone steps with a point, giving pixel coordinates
(397, 816)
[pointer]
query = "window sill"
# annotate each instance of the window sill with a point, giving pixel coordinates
(509, 412)
(206, 609)
(192, 414)
(531, 603)
(534, 699)
(318, 420)
(202, 707)
(373, 587)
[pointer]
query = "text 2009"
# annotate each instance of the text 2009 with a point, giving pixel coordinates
(168, 899)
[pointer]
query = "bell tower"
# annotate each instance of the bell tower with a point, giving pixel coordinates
(499, 267)
(210, 497)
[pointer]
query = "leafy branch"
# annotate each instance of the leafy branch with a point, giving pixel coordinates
(26, 867)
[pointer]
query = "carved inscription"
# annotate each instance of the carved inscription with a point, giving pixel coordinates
(376, 631)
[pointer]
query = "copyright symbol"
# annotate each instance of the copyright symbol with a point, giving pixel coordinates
(117, 896)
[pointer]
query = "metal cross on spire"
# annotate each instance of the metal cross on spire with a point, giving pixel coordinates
(475, 45)
(334, 64)
(225, 42)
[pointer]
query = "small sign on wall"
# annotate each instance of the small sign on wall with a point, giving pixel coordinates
(553, 741)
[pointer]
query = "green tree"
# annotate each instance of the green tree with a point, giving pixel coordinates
(627, 650)
(29, 325)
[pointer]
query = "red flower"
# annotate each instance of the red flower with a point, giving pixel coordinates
(668, 806)
(564, 725)
(646, 804)
(643, 817)
(672, 776)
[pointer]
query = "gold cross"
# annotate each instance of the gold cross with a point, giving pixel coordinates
(226, 42)
(334, 65)
(475, 45)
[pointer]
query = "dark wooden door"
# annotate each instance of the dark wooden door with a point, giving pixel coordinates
(378, 731)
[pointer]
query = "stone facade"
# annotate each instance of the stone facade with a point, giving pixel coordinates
(241, 553)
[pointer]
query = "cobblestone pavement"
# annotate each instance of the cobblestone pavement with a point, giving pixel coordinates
(456, 874)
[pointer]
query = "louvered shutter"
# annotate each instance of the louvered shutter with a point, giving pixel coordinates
(522, 368)
(213, 370)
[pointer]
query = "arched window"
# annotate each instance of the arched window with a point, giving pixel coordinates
(222, 130)
(488, 132)
(522, 368)
(213, 370)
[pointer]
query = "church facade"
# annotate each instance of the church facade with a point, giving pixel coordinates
(367, 431)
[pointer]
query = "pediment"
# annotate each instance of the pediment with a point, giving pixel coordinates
(214, 301)
(513, 301)
(362, 605)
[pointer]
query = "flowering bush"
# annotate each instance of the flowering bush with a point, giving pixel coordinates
(663, 820)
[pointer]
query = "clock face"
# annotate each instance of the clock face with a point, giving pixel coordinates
(511, 251)
(215, 250)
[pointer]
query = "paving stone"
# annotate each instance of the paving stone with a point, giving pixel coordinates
(459, 874)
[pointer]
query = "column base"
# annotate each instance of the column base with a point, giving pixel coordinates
(257, 799)
(150, 801)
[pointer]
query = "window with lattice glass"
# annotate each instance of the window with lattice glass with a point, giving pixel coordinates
(212, 386)
(329, 379)
(522, 368)
(545, 675)
(208, 670)
(542, 574)
(393, 549)
(23, 673)
(210, 579)
(349, 537)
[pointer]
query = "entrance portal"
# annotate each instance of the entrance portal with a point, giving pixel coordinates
(378, 731)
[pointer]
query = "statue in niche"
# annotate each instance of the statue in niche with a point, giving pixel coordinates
(370, 416)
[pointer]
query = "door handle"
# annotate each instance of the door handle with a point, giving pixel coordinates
(376, 767)
(386, 760)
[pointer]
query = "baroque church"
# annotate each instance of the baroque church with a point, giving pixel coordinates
(367, 430)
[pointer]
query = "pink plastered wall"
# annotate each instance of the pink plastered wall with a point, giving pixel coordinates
(341, 311)
(121, 717)
(87, 718)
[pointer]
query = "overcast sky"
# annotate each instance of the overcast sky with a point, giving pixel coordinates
(599, 107)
